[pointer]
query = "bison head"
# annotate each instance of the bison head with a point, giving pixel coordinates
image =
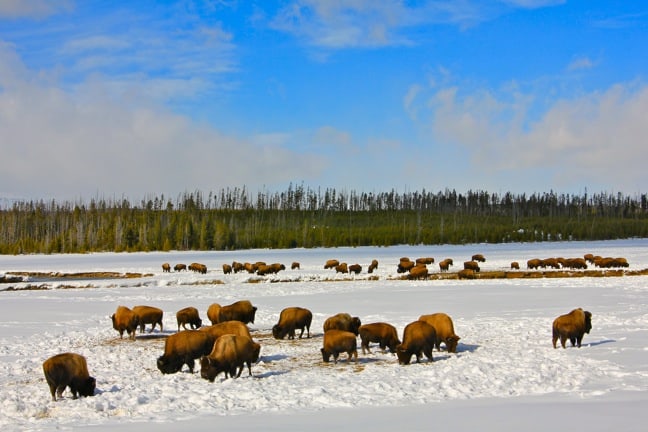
(355, 325)
(326, 356)
(87, 387)
(451, 343)
(278, 332)
(210, 368)
(404, 356)
(169, 364)
(588, 322)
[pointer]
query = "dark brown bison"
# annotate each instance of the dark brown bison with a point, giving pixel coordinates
(184, 348)
(444, 329)
(471, 265)
(343, 321)
(227, 269)
(264, 269)
(198, 268)
(68, 370)
(572, 326)
(515, 265)
(589, 258)
(339, 341)
(332, 263)
(373, 266)
(290, 319)
(148, 315)
(551, 262)
(241, 310)
(425, 260)
(575, 263)
(125, 320)
(405, 265)
(249, 267)
(355, 268)
(478, 257)
(534, 263)
(237, 266)
(227, 327)
(382, 333)
(342, 268)
(294, 266)
(467, 274)
(188, 315)
(419, 338)
(230, 352)
(166, 268)
(418, 272)
(445, 264)
(180, 267)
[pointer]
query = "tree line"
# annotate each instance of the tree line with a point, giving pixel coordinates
(234, 218)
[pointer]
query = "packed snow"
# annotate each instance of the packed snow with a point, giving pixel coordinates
(505, 375)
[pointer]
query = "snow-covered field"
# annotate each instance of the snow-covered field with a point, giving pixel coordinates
(506, 376)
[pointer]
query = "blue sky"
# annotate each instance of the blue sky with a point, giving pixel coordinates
(132, 98)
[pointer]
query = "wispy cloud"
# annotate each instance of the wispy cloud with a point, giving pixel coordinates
(580, 63)
(33, 8)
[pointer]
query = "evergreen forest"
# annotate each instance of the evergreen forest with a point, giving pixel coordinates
(234, 218)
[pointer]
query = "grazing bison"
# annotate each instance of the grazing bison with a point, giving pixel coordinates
(444, 329)
(180, 267)
(290, 319)
(264, 269)
(445, 264)
(425, 260)
(332, 263)
(418, 272)
(230, 352)
(405, 265)
(343, 321)
(339, 341)
(534, 263)
(373, 266)
(342, 268)
(551, 262)
(188, 315)
(355, 268)
(515, 265)
(382, 333)
(241, 310)
(68, 369)
(294, 266)
(198, 268)
(237, 266)
(467, 274)
(227, 327)
(183, 348)
(148, 315)
(572, 326)
(419, 338)
(478, 257)
(126, 320)
(227, 269)
(166, 268)
(471, 265)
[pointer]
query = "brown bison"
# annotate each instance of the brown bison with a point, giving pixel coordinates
(241, 310)
(339, 341)
(237, 266)
(572, 326)
(148, 315)
(467, 274)
(124, 319)
(290, 319)
(343, 321)
(294, 266)
(589, 258)
(180, 267)
(418, 272)
(419, 338)
(166, 268)
(184, 348)
(230, 352)
(332, 263)
(551, 262)
(445, 264)
(444, 329)
(405, 265)
(373, 266)
(355, 268)
(425, 260)
(342, 268)
(227, 269)
(188, 315)
(264, 269)
(534, 263)
(227, 327)
(515, 265)
(471, 265)
(382, 333)
(478, 257)
(68, 369)
(198, 268)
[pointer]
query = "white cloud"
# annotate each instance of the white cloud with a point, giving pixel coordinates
(580, 63)
(33, 8)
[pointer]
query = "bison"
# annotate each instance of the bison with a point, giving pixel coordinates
(342, 268)
(237, 266)
(572, 326)
(180, 267)
(227, 269)
(534, 263)
(124, 319)
(198, 268)
(425, 260)
(419, 338)
(241, 310)
(264, 269)
(68, 369)
(343, 321)
(184, 348)
(332, 263)
(467, 274)
(515, 265)
(339, 341)
(373, 266)
(405, 265)
(294, 266)
(382, 333)
(148, 315)
(166, 268)
(290, 319)
(188, 315)
(444, 329)
(471, 265)
(227, 327)
(229, 353)
(355, 268)
(478, 257)
(445, 264)
(418, 272)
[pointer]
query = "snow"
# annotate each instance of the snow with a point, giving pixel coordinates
(506, 375)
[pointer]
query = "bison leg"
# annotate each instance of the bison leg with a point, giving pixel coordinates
(353, 355)
(428, 352)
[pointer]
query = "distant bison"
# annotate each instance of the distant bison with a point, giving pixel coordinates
(373, 266)
(294, 266)
(339, 341)
(444, 329)
(418, 272)
(264, 269)
(229, 354)
(198, 268)
(471, 265)
(445, 264)
(467, 274)
(425, 260)
(405, 265)
(342, 268)
(355, 268)
(534, 263)
(188, 315)
(332, 263)
(180, 267)
(572, 326)
(382, 333)
(227, 269)
(478, 257)
(419, 338)
(343, 321)
(166, 268)
(241, 310)
(290, 319)
(515, 265)
(227, 327)
(125, 320)
(148, 315)
(68, 369)
(184, 348)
